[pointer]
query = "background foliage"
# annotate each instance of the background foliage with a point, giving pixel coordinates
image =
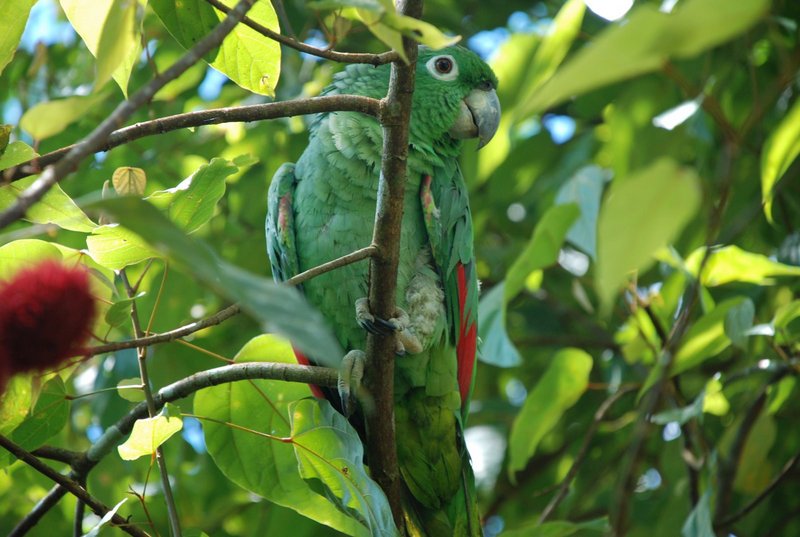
(636, 229)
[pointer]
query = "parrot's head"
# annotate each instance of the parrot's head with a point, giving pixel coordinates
(455, 96)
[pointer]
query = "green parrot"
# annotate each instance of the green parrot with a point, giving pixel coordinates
(323, 207)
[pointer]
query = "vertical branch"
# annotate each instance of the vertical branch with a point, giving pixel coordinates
(395, 117)
(141, 353)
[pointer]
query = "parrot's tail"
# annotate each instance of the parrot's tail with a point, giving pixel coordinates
(459, 517)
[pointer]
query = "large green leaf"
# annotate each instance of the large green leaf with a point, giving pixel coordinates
(249, 59)
(559, 388)
(260, 464)
(698, 523)
(641, 214)
(644, 41)
(585, 189)
(331, 455)
(732, 264)
(115, 247)
(11, 28)
(778, 153)
(560, 528)
(542, 250)
(16, 153)
(109, 30)
(51, 117)
(15, 402)
(191, 204)
(47, 418)
(277, 307)
(54, 208)
(496, 347)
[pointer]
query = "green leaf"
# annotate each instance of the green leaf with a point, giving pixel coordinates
(245, 56)
(732, 264)
(16, 153)
(585, 189)
(24, 253)
(778, 153)
(115, 247)
(560, 528)
(542, 250)
(191, 204)
(11, 28)
(648, 38)
(120, 311)
(330, 454)
(559, 388)
(786, 314)
(51, 117)
(715, 401)
(698, 524)
(277, 307)
(260, 464)
(15, 403)
(131, 389)
(109, 30)
(47, 418)
(641, 214)
(738, 320)
(54, 208)
(129, 181)
(496, 347)
(147, 435)
(755, 468)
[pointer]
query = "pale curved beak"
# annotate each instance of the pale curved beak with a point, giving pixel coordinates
(479, 116)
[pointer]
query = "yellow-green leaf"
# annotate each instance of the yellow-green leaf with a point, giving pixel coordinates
(732, 264)
(778, 153)
(51, 117)
(129, 181)
(147, 435)
(641, 214)
(16, 153)
(116, 247)
(11, 27)
(559, 388)
(54, 208)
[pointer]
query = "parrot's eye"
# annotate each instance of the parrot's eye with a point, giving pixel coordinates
(443, 67)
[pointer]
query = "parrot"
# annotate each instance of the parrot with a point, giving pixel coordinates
(323, 207)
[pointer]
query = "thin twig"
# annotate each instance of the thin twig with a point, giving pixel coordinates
(599, 415)
(358, 255)
(245, 114)
(70, 486)
(98, 137)
(790, 464)
(380, 349)
(141, 353)
(341, 57)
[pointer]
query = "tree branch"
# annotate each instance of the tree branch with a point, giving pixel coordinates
(341, 57)
(70, 486)
(379, 377)
(114, 435)
(245, 114)
(98, 137)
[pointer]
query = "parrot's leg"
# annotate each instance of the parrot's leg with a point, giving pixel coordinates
(351, 371)
(406, 340)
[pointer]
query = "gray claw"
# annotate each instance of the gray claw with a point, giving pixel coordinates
(351, 371)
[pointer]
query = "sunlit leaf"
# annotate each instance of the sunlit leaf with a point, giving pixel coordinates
(277, 307)
(131, 390)
(245, 56)
(732, 264)
(542, 250)
(129, 181)
(16, 153)
(108, 28)
(780, 393)
(95, 531)
(715, 401)
(557, 390)
(262, 465)
(54, 208)
(641, 214)
(147, 435)
(15, 403)
(496, 347)
(116, 247)
(330, 453)
(51, 117)
(778, 153)
(11, 28)
(786, 314)
(648, 37)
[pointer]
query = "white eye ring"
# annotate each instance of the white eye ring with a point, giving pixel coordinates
(443, 67)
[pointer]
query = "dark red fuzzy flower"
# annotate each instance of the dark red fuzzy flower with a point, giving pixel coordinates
(46, 314)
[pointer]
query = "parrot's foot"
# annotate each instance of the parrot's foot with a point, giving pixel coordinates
(351, 371)
(407, 341)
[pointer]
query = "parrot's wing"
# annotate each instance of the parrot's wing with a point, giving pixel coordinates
(449, 224)
(280, 224)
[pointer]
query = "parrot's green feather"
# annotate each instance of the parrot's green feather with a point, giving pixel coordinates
(324, 207)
